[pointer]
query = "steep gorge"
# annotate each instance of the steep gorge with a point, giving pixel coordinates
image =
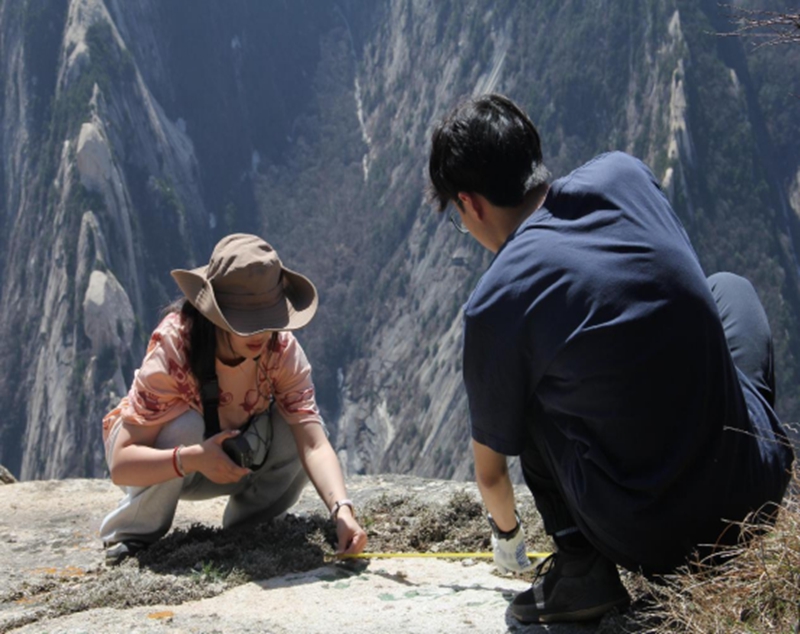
(134, 135)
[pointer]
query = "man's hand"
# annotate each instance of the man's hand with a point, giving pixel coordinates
(491, 474)
(509, 548)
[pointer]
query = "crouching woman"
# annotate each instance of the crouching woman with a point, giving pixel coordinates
(223, 405)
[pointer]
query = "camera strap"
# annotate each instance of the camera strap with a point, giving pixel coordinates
(209, 393)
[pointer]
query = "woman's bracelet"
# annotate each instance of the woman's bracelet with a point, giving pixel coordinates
(177, 464)
(339, 505)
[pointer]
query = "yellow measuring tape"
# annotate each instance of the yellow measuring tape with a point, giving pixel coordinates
(445, 555)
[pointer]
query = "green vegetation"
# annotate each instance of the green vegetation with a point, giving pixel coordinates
(315, 211)
(107, 363)
(41, 22)
(109, 67)
(739, 224)
(167, 211)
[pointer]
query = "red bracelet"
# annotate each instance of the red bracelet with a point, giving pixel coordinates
(175, 462)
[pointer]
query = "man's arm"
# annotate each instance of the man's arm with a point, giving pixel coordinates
(491, 474)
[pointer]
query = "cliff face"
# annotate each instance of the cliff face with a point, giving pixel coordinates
(135, 135)
(650, 80)
(76, 242)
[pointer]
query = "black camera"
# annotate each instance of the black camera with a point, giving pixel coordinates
(250, 447)
(239, 450)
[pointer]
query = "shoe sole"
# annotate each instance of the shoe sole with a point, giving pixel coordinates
(116, 560)
(111, 562)
(131, 550)
(586, 614)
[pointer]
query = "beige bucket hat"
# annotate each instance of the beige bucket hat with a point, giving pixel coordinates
(245, 289)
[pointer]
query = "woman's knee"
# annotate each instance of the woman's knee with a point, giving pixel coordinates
(186, 429)
(283, 447)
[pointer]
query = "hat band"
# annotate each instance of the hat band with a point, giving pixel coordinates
(250, 301)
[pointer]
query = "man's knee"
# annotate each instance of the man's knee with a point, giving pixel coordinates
(739, 307)
(747, 330)
(729, 285)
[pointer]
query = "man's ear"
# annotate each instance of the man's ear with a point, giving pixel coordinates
(471, 203)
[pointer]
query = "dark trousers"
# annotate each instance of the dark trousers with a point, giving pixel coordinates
(750, 342)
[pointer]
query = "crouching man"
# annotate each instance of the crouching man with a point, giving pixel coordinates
(638, 393)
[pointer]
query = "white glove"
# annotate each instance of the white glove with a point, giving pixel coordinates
(509, 548)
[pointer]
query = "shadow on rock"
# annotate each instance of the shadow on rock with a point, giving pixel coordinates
(256, 551)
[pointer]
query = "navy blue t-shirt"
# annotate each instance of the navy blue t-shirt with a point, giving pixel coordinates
(595, 322)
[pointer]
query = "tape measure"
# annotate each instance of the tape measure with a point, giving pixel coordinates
(444, 555)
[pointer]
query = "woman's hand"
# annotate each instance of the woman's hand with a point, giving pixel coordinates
(324, 471)
(352, 537)
(211, 460)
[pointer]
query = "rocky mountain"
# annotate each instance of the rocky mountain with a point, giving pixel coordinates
(135, 134)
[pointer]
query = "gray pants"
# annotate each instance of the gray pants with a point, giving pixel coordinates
(146, 513)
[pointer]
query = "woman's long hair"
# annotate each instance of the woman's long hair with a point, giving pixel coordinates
(202, 339)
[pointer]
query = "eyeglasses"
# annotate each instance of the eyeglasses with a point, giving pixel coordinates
(455, 218)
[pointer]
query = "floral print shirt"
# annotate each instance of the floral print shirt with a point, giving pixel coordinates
(164, 387)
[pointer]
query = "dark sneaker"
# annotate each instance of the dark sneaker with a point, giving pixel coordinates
(119, 552)
(571, 587)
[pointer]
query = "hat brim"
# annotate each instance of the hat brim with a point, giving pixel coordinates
(295, 310)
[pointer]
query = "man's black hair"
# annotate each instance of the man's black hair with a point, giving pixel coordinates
(486, 145)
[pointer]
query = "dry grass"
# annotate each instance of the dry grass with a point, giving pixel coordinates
(756, 589)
